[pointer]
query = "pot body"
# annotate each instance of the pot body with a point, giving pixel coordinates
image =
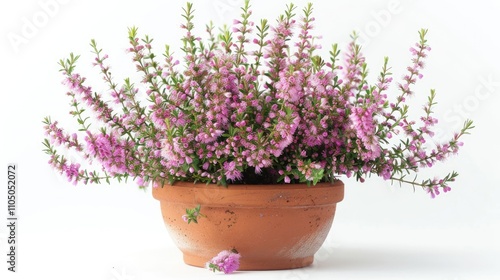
(271, 226)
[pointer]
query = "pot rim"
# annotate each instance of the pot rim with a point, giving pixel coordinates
(268, 196)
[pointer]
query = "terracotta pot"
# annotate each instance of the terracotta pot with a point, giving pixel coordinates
(272, 226)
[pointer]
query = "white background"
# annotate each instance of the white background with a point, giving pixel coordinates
(380, 231)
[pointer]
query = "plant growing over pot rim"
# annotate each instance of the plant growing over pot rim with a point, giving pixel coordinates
(253, 103)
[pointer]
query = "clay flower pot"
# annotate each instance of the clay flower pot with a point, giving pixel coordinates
(271, 226)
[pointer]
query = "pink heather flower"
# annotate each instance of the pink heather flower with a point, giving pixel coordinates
(231, 172)
(287, 179)
(109, 150)
(185, 218)
(72, 172)
(206, 165)
(140, 182)
(102, 146)
(363, 125)
(226, 261)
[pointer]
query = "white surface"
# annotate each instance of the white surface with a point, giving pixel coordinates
(380, 231)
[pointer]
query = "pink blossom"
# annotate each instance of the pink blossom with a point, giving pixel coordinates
(72, 172)
(231, 172)
(226, 261)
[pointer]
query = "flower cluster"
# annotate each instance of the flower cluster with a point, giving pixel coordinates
(226, 261)
(254, 103)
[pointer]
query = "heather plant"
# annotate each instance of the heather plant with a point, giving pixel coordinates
(252, 103)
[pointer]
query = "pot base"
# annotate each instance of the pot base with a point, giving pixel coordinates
(256, 264)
